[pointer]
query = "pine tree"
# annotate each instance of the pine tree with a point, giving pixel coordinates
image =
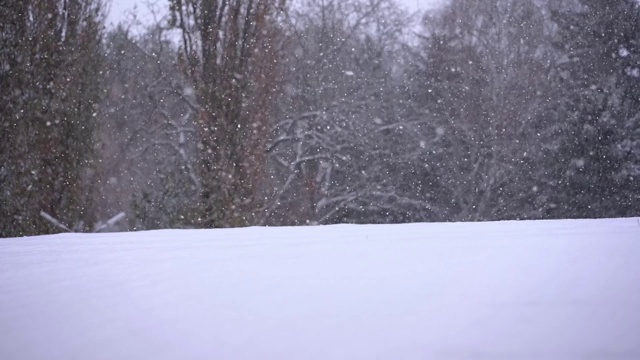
(595, 163)
(49, 87)
(480, 75)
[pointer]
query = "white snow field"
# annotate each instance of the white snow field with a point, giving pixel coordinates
(504, 290)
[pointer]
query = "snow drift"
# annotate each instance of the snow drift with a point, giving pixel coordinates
(507, 290)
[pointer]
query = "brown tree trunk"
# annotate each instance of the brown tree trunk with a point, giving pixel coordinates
(231, 54)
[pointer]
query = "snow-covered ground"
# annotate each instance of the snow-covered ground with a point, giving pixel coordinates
(509, 290)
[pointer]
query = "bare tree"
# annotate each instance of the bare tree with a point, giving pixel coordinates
(230, 53)
(343, 149)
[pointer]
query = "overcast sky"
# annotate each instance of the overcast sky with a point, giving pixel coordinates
(119, 8)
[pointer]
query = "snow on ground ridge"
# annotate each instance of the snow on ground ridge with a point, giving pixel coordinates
(522, 289)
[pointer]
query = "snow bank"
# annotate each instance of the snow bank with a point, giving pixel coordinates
(509, 290)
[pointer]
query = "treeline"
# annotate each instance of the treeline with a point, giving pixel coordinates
(262, 112)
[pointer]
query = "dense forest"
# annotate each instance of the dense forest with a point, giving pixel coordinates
(229, 113)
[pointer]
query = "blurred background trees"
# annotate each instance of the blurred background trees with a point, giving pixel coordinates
(248, 112)
(146, 164)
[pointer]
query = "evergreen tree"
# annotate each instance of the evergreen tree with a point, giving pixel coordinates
(595, 162)
(50, 55)
(480, 74)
